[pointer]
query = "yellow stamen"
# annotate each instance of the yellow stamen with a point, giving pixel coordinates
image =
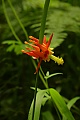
(51, 48)
(58, 60)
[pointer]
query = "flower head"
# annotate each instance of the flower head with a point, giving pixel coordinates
(41, 51)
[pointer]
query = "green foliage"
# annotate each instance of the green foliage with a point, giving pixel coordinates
(57, 99)
(14, 45)
(47, 116)
(16, 70)
(48, 76)
(72, 101)
(58, 102)
(39, 100)
(61, 18)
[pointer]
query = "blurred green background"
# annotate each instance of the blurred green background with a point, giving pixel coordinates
(16, 69)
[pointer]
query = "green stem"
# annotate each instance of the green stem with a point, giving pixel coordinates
(9, 23)
(43, 22)
(36, 84)
(25, 32)
(45, 84)
(42, 78)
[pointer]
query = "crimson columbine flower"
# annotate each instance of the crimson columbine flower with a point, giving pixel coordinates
(41, 51)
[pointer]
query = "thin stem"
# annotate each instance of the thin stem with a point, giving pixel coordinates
(9, 23)
(42, 78)
(36, 84)
(41, 70)
(45, 84)
(43, 22)
(25, 32)
(44, 81)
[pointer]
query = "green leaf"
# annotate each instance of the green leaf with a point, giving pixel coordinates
(46, 77)
(9, 42)
(60, 104)
(72, 102)
(10, 48)
(45, 99)
(18, 49)
(14, 45)
(47, 116)
(39, 99)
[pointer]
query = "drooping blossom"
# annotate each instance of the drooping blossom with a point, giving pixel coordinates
(41, 51)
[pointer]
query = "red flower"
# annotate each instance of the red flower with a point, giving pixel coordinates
(40, 51)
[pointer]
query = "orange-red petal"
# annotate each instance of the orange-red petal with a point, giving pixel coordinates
(34, 39)
(37, 50)
(48, 43)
